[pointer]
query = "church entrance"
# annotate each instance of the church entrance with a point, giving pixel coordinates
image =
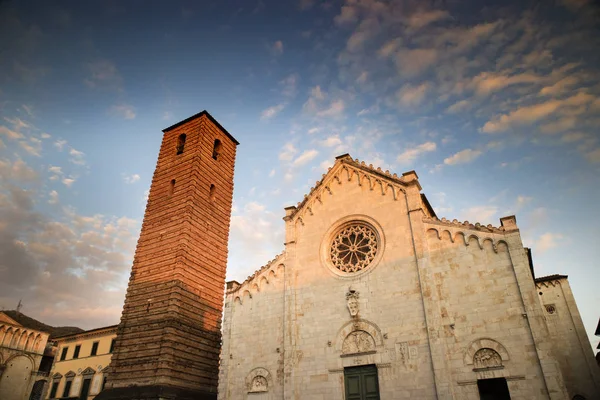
(493, 389)
(361, 383)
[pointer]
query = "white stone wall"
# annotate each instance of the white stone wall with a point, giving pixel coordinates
(439, 292)
(572, 348)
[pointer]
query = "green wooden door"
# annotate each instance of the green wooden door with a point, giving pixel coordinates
(361, 383)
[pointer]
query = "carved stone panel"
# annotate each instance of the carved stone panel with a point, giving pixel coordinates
(358, 342)
(259, 384)
(487, 358)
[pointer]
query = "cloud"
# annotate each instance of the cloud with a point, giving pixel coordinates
(547, 241)
(459, 106)
(489, 82)
(573, 137)
(77, 157)
(305, 157)
(481, 214)
(289, 85)
(125, 111)
(277, 48)
(335, 110)
(103, 74)
(17, 123)
(528, 115)
(271, 112)
(409, 155)
(593, 156)
(287, 152)
(421, 19)
(348, 15)
(410, 96)
(17, 170)
(463, 157)
(53, 197)
(68, 182)
(561, 87)
(63, 266)
(131, 178)
(60, 144)
(10, 134)
(258, 234)
(522, 200)
(272, 173)
(315, 98)
(33, 146)
(331, 141)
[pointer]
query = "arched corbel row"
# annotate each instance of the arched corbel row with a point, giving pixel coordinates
(466, 238)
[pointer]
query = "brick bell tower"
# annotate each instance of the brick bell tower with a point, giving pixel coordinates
(168, 340)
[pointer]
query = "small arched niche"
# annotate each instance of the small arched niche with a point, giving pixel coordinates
(181, 143)
(212, 193)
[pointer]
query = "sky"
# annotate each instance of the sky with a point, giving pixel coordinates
(495, 105)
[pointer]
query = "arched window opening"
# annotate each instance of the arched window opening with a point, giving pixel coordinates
(216, 149)
(211, 193)
(172, 187)
(181, 143)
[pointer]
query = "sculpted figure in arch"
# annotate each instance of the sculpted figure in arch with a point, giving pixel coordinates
(486, 358)
(358, 342)
(259, 384)
(352, 301)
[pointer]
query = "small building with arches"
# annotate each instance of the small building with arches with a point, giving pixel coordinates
(376, 297)
(25, 357)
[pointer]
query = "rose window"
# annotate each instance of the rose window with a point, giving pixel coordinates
(354, 248)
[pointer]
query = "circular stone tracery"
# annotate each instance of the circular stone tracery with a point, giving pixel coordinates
(353, 248)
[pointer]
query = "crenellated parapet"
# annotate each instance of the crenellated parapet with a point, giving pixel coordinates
(465, 231)
(258, 281)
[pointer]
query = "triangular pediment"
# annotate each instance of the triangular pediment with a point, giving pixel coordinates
(70, 374)
(349, 170)
(88, 371)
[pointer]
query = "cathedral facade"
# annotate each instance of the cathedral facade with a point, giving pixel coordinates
(376, 297)
(373, 297)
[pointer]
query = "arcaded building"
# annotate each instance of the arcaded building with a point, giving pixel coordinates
(374, 297)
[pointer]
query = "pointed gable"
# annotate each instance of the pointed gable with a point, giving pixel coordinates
(347, 169)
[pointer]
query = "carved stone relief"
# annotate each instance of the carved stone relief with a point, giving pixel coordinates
(352, 301)
(487, 358)
(358, 342)
(259, 384)
(258, 380)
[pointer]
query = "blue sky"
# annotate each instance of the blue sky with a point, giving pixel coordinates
(495, 105)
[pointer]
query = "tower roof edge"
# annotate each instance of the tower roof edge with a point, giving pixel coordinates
(210, 117)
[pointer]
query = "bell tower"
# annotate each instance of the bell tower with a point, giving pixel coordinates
(168, 340)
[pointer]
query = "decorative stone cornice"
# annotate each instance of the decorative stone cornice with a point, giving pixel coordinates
(345, 168)
(233, 286)
(549, 280)
(466, 224)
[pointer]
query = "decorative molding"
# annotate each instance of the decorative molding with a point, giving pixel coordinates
(466, 224)
(259, 380)
(346, 169)
(453, 234)
(352, 302)
(488, 344)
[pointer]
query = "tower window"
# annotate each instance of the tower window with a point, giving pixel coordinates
(180, 143)
(172, 187)
(216, 149)
(211, 193)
